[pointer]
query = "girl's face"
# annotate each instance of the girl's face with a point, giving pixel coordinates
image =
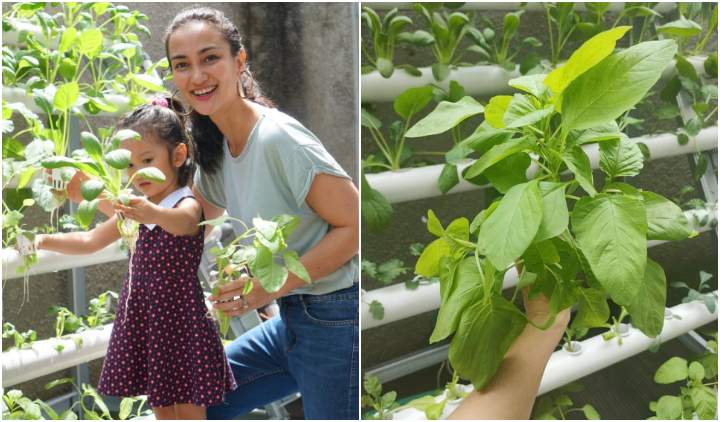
(149, 153)
(203, 68)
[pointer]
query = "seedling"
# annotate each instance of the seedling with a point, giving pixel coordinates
(126, 406)
(21, 340)
(66, 321)
(696, 397)
(496, 46)
(100, 310)
(572, 336)
(607, 240)
(560, 405)
(386, 33)
(383, 404)
(268, 242)
(87, 391)
(18, 407)
(447, 31)
(617, 327)
(703, 292)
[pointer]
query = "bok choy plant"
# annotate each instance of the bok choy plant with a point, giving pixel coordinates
(604, 233)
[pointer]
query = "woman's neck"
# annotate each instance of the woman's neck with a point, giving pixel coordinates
(237, 122)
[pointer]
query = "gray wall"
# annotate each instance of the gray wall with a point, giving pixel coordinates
(305, 55)
(681, 260)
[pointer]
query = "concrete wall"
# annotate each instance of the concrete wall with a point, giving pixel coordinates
(681, 260)
(305, 55)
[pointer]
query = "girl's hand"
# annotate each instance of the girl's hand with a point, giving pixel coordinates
(257, 298)
(140, 210)
(38, 242)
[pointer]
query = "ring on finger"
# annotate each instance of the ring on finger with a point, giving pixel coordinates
(245, 304)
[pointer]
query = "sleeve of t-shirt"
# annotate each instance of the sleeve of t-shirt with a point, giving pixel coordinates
(305, 162)
(211, 187)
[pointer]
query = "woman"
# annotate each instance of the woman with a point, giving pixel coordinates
(256, 161)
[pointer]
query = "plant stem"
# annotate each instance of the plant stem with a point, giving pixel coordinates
(541, 165)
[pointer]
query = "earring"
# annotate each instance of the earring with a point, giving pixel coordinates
(252, 85)
(172, 104)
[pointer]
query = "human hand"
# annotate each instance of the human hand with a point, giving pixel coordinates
(140, 210)
(257, 298)
(38, 242)
(72, 187)
(538, 311)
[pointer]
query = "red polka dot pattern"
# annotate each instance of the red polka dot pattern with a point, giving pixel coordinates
(164, 346)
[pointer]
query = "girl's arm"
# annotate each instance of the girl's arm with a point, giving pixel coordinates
(81, 243)
(180, 221)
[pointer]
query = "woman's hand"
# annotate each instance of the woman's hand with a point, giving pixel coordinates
(73, 187)
(257, 298)
(538, 311)
(140, 210)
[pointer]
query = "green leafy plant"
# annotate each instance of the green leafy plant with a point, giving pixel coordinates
(558, 406)
(495, 45)
(21, 340)
(383, 404)
(126, 406)
(66, 321)
(604, 236)
(97, 411)
(18, 407)
(703, 292)
(386, 33)
(695, 397)
(709, 359)
(615, 329)
(268, 242)
(447, 31)
(99, 308)
(573, 333)
(395, 153)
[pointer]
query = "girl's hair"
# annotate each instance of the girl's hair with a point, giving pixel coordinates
(204, 132)
(166, 127)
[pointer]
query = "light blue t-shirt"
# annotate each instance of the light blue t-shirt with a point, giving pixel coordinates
(272, 176)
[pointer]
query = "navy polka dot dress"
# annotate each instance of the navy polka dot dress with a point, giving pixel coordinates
(163, 345)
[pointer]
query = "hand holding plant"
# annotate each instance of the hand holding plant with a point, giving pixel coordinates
(268, 243)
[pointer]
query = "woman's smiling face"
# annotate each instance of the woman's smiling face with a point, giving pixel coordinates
(203, 67)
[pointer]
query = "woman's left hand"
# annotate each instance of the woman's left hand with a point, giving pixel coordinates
(257, 298)
(140, 210)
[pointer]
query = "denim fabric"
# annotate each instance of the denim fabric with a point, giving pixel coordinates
(312, 347)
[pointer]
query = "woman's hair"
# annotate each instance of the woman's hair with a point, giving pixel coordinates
(204, 132)
(162, 123)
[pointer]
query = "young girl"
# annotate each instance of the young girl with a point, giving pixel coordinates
(161, 344)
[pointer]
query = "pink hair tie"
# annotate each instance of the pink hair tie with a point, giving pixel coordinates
(159, 101)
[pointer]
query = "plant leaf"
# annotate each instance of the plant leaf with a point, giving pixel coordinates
(524, 110)
(611, 231)
(119, 159)
(485, 333)
(704, 400)
(593, 309)
(620, 157)
(292, 261)
(508, 172)
(593, 98)
(412, 101)
(66, 96)
(463, 289)
(675, 369)
(579, 163)
(498, 152)
(588, 55)
(666, 220)
(508, 232)
(446, 116)
(495, 110)
(90, 189)
(648, 309)
(555, 216)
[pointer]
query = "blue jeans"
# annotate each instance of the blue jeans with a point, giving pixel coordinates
(313, 348)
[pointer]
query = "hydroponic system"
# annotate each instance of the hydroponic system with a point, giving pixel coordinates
(529, 125)
(68, 70)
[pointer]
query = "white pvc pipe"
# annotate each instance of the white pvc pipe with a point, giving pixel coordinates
(400, 302)
(598, 354)
(19, 95)
(55, 261)
(41, 359)
(421, 182)
(12, 37)
(483, 81)
(663, 7)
